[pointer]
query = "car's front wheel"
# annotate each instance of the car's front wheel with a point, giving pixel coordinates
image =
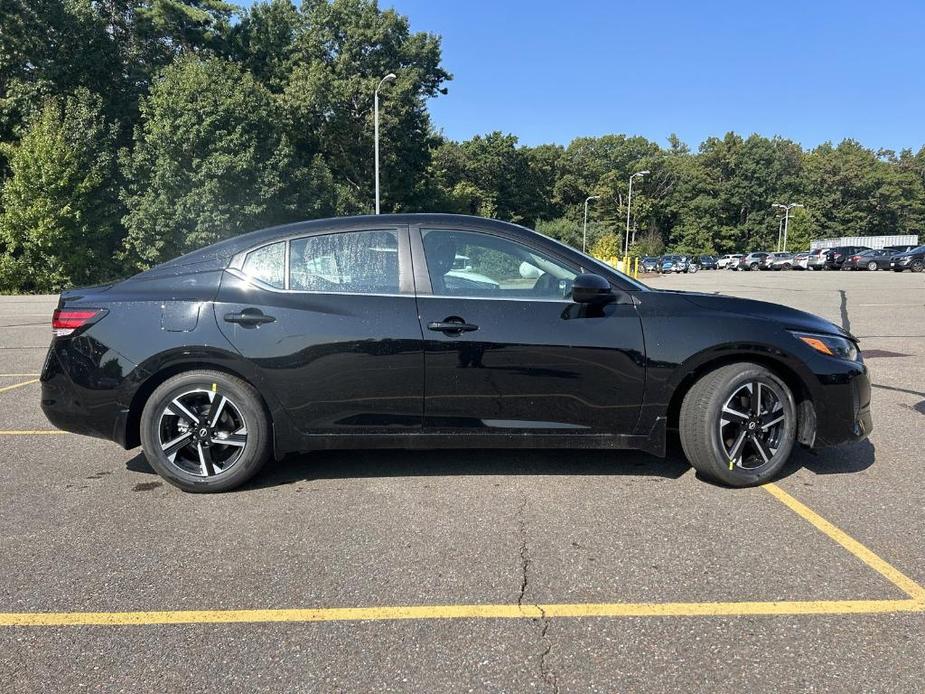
(205, 431)
(738, 424)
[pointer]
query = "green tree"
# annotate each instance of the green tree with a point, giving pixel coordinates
(340, 52)
(59, 225)
(210, 163)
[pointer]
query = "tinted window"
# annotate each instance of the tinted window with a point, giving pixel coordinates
(267, 264)
(467, 263)
(359, 262)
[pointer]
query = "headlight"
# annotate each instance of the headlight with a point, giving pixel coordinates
(830, 345)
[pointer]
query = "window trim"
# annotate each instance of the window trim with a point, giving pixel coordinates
(405, 280)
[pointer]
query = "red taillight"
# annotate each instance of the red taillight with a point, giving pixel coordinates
(64, 321)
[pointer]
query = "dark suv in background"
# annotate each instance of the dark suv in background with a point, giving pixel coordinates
(834, 258)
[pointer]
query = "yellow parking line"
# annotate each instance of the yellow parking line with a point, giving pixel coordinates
(11, 375)
(891, 573)
(19, 385)
(32, 432)
(414, 612)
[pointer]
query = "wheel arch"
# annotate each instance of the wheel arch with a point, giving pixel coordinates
(167, 366)
(806, 410)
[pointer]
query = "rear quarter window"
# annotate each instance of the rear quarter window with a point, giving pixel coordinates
(267, 264)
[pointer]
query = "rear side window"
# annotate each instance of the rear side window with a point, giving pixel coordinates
(267, 264)
(358, 262)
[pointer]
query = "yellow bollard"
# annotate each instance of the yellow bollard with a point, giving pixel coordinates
(636, 268)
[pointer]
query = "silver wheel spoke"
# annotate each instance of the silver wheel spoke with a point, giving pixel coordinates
(171, 447)
(756, 398)
(216, 411)
(735, 453)
(759, 446)
(740, 416)
(768, 425)
(226, 439)
(179, 409)
(205, 460)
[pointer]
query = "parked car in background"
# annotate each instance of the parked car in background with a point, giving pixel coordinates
(224, 359)
(836, 257)
(752, 261)
(777, 261)
(649, 264)
(800, 260)
(869, 260)
(706, 262)
(728, 261)
(895, 250)
(911, 260)
(816, 259)
(677, 263)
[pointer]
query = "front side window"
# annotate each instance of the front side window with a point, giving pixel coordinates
(267, 264)
(357, 262)
(473, 264)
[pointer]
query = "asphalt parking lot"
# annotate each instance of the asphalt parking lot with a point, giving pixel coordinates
(476, 571)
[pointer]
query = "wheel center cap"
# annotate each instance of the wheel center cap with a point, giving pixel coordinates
(203, 433)
(751, 425)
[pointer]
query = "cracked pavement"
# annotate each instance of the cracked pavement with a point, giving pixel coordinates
(87, 526)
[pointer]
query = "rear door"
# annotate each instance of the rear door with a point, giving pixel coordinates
(507, 351)
(330, 321)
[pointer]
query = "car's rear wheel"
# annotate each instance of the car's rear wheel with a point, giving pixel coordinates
(738, 424)
(872, 266)
(205, 431)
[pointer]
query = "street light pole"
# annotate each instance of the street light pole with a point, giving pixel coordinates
(786, 209)
(388, 78)
(629, 208)
(584, 233)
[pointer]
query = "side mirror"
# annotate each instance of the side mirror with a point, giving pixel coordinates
(592, 289)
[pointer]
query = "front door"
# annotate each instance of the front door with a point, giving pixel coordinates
(507, 351)
(330, 321)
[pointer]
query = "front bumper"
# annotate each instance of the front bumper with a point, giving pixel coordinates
(842, 404)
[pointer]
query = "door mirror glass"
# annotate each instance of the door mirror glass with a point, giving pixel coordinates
(589, 288)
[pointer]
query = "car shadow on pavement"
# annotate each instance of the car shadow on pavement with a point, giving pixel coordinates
(847, 458)
(358, 464)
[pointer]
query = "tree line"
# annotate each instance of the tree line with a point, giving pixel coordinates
(132, 131)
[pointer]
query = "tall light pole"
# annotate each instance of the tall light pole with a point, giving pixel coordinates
(780, 230)
(388, 78)
(629, 208)
(584, 233)
(786, 209)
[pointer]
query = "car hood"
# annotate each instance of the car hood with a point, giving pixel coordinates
(789, 318)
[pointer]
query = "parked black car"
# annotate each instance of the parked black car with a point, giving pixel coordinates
(911, 260)
(869, 260)
(834, 258)
(369, 332)
(649, 264)
(706, 262)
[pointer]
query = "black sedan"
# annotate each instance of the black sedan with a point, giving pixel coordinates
(913, 260)
(869, 260)
(437, 331)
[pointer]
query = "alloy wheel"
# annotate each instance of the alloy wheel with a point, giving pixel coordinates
(751, 425)
(202, 432)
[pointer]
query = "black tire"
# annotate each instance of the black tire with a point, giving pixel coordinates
(701, 425)
(753, 266)
(872, 266)
(200, 393)
(917, 266)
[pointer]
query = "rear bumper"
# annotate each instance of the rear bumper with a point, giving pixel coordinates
(86, 390)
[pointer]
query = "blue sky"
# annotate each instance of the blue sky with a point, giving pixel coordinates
(810, 71)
